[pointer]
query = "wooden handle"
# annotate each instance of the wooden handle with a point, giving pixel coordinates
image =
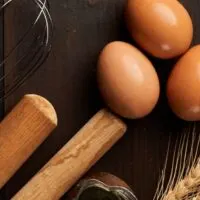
(22, 131)
(74, 159)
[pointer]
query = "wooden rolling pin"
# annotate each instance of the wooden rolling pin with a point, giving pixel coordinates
(22, 131)
(74, 159)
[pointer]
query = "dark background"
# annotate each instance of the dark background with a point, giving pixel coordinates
(67, 79)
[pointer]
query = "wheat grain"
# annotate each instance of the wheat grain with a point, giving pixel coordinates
(197, 197)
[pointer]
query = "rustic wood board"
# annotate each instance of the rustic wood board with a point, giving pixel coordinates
(67, 79)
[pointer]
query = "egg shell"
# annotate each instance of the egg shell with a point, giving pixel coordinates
(161, 27)
(183, 87)
(127, 80)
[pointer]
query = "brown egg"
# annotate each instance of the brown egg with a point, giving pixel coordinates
(127, 80)
(183, 88)
(162, 27)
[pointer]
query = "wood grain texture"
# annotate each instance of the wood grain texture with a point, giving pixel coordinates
(75, 158)
(22, 131)
(68, 80)
(1, 67)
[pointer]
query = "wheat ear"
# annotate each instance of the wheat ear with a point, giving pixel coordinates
(187, 184)
(184, 180)
(187, 188)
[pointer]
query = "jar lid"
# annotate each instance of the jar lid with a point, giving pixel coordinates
(109, 188)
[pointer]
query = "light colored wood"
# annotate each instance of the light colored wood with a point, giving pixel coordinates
(22, 131)
(74, 159)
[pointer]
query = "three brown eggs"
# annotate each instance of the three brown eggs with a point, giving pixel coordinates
(127, 79)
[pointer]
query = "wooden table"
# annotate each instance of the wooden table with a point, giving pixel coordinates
(67, 79)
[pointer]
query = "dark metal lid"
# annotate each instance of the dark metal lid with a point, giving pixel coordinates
(93, 189)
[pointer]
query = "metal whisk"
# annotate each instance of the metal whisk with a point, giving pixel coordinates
(27, 36)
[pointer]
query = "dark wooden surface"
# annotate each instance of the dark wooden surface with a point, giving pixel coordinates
(1, 67)
(82, 28)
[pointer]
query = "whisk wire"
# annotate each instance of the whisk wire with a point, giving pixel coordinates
(5, 4)
(48, 20)
(34, 56)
